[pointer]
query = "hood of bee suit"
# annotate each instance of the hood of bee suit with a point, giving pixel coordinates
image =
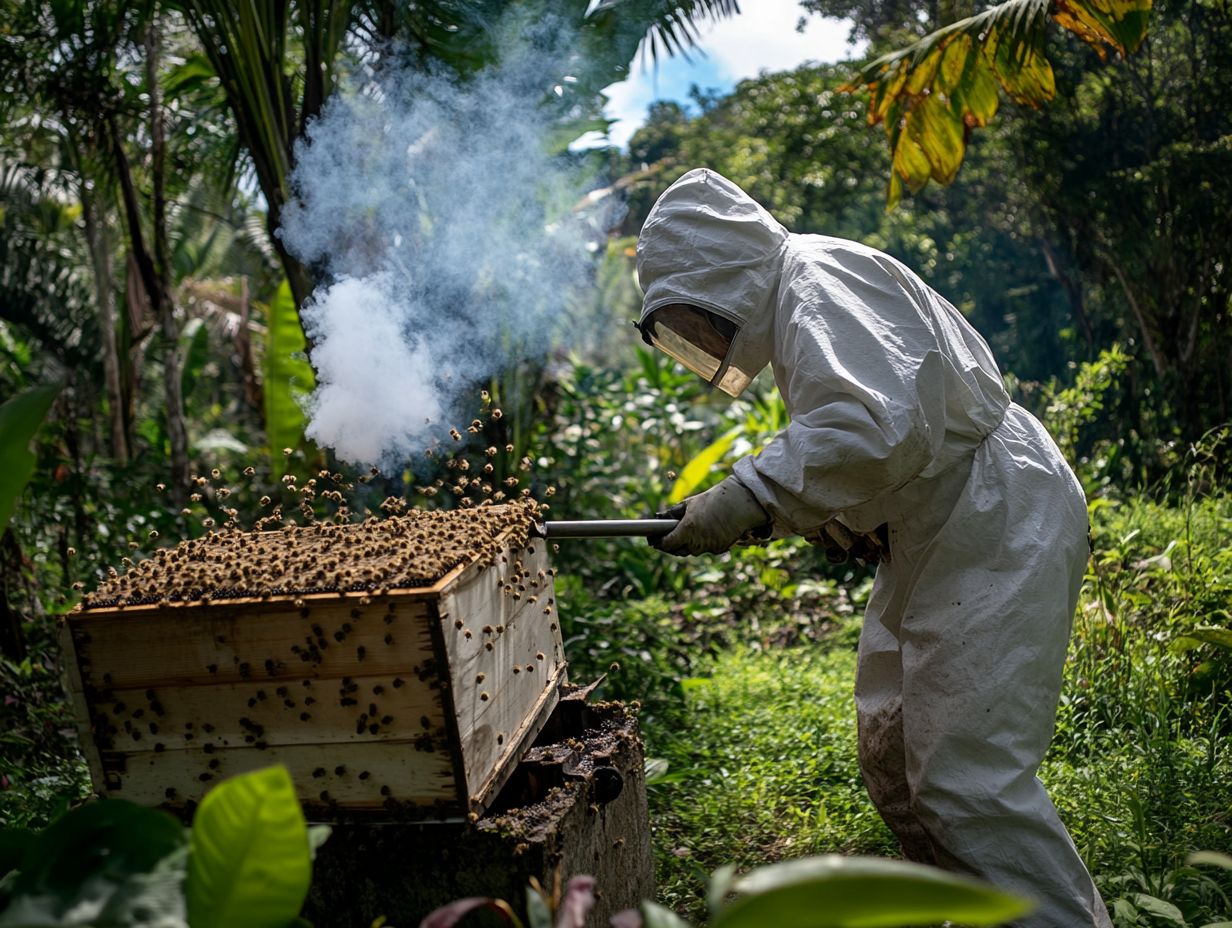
(708, 243)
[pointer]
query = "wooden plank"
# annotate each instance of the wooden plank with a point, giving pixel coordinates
(517, 745)
(412, 776)
(506, 659)
(192, 647)
(307, 711)
(70, 669)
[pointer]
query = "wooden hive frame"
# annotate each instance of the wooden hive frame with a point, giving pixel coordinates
(416, 704)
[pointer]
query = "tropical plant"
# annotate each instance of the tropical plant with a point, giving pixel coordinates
(931, 94)
(813, 892)
(277, 63)
(246, 862)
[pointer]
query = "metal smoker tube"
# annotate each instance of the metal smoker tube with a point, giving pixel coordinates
(605, 528)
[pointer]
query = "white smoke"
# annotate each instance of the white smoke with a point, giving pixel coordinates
(442, 221)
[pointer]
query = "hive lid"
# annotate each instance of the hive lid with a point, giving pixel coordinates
(408, 551)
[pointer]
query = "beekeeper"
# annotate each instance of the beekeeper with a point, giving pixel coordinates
(899, 423)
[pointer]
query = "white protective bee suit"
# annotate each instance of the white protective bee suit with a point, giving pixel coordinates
(899, 416)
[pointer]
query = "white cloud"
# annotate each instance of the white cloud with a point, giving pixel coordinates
(762, 38)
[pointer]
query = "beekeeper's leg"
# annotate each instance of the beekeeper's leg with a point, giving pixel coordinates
(983, 641)
(879, 711)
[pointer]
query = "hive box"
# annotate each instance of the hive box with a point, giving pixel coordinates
(415, 704)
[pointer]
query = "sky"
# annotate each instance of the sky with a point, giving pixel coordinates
(762, 37)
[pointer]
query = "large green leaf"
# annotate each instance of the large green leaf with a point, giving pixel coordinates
(1211, 858)
(1207, 634)
(656, 916)
(20, 418)
(287, 377)
(861, 892)
(13, 843)
(107, 864)
(195, 349)
(698, 469)
(250, 864)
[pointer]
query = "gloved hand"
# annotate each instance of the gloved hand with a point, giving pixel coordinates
(714, 520)
(841, 544)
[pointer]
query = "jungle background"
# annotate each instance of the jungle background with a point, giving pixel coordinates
(149, 331)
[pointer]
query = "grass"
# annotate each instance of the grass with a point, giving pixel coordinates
(762, 768)
(760, 739)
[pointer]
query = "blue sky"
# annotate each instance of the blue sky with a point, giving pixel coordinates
(762, 37)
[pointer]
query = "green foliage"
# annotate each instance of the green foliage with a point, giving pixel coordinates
(287, 377)
(844, 892)
(1076, 418)
(109, 864)
(245, 863)
(250, 864)
(932, 93)
(20, 418)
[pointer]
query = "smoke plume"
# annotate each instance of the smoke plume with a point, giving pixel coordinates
(441, 221)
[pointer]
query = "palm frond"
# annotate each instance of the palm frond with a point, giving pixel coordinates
(932, 93)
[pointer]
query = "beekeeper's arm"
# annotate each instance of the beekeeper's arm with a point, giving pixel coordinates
(866, 389)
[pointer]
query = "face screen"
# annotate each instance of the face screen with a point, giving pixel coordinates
(697, 338)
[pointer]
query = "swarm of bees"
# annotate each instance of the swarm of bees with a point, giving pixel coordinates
(414, 548)
(279, 556)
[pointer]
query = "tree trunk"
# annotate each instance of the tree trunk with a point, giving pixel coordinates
(12, 641)
(243, 344)
(99, 242)
(1145, 329)
(160, 293)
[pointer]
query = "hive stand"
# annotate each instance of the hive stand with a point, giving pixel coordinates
(575, 805)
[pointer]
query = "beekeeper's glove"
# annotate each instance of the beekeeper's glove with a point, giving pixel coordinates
(712, 521)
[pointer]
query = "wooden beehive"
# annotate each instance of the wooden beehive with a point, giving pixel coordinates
(412, 701)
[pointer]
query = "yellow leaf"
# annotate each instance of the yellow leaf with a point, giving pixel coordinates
(1121, 24)
(940, 137)
(699, 468)
(955, 64)
(976, 99)
(923, 73)
(887, 93)
(895, 193)
(910, 162)
(1023, 70)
